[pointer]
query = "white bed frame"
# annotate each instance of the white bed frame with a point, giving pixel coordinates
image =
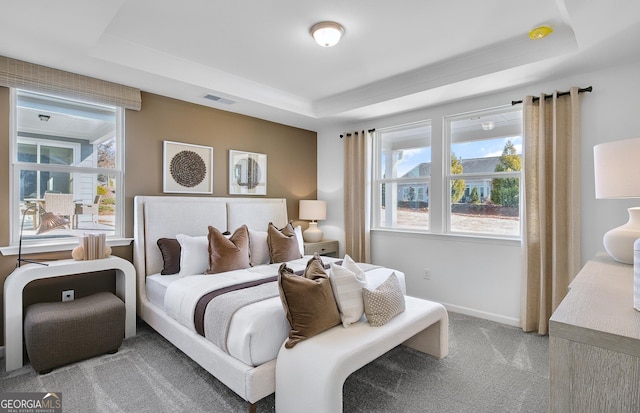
(315, 370)
(165, 216)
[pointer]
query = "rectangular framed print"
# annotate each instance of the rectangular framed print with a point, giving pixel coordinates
(247, 173)
(187, 168)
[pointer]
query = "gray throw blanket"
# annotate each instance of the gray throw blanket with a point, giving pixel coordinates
(220, 310)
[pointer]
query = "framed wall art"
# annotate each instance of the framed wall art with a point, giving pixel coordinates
(247, 173)
(187, 168)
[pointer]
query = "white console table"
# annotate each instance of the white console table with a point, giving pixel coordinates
(594, 343)
(20, 277)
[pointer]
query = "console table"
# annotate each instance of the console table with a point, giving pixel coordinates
(20, 277)
(594, 342)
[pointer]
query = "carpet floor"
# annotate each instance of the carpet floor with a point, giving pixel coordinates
(491, 368)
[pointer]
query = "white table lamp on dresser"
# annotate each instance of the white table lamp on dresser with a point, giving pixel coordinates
(313, 210)
(617, 175)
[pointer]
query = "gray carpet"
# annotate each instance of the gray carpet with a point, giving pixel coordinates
(490, 368)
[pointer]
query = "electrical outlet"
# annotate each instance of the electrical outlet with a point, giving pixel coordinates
(427, 274)
(68, 295)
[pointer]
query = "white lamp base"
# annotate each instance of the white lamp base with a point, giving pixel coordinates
(636, 275)
(619, 241)
(313, 233)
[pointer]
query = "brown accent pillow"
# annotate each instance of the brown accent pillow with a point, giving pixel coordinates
(227, 254)
(307, 300)
(282, 243)
(170, 250)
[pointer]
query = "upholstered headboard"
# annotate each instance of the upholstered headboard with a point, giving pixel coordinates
(165, 216)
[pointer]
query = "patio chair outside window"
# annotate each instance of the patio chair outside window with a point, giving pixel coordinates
(61, 205)
(88, 209)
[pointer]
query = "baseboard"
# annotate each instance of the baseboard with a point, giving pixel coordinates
(483, 314)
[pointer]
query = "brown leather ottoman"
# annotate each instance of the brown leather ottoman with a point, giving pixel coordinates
(60, 333)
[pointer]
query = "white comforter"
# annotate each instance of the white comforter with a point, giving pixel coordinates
(257, 331)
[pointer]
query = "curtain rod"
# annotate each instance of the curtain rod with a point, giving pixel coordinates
(370, 131)
(582, 90)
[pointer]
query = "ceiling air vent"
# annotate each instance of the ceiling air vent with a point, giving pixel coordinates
(219, 99)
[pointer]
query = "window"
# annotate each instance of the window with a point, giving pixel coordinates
(485, 154)
(66, 159)
(402, 176)
(475, 171)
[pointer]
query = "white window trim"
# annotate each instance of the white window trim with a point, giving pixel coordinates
(448, 177)
(378, 181)
(62, 243)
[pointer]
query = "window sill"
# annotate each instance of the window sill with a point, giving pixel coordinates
(40, 247)
(478, 239)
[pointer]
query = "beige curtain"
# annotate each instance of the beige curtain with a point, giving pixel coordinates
(357, 194)
(551, 205)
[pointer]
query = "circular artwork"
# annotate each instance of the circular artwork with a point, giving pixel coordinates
(188, 168)
(248, 173)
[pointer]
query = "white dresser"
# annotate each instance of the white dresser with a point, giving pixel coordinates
(594, 343)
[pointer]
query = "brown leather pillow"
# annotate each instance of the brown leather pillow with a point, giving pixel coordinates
(283, 243)
(308, 301)
(170, 250)
(227, 254)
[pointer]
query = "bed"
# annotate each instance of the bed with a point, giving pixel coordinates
(256, 333)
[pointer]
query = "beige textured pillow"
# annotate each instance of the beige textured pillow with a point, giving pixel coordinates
(227, 254)
(283, 243)
(308, 301)
(383, 303)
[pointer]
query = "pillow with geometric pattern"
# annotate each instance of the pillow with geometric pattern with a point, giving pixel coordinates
(383, 303)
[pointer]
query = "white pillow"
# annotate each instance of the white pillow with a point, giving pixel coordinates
(258, 248)
(298, 231)
(347, 290)
(194, 254)
(351, 265)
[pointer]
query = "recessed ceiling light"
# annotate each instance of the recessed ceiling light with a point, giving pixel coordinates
(540, 32)
(327, 34)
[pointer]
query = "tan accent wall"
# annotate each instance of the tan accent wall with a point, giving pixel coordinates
(291, 170)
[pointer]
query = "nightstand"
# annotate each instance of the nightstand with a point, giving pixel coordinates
(325, 247)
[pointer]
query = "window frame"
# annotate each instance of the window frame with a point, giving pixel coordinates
(378, 181)
(439, 182)
(448, 177)
(68, 240)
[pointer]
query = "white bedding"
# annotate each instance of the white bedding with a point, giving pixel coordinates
(257, 331)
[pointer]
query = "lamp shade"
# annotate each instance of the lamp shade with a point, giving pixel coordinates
(313, 210)
(617, 169)
(48, 222)
(617, 175)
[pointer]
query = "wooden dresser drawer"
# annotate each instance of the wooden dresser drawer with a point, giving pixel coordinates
(328, 247)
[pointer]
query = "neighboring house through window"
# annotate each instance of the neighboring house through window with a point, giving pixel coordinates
(482, 162)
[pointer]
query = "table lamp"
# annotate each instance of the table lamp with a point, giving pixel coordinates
(313, 210)
(617, 175)
(48, 222)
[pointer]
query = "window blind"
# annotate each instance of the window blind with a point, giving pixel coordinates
(35, 78)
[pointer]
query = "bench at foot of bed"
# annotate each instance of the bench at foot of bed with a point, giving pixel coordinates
(310, 376)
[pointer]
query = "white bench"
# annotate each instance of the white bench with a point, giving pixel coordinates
(310, 376)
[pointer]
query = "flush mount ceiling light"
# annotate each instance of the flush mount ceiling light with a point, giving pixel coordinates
(327, 34)
(488, 125)
(540, 32)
